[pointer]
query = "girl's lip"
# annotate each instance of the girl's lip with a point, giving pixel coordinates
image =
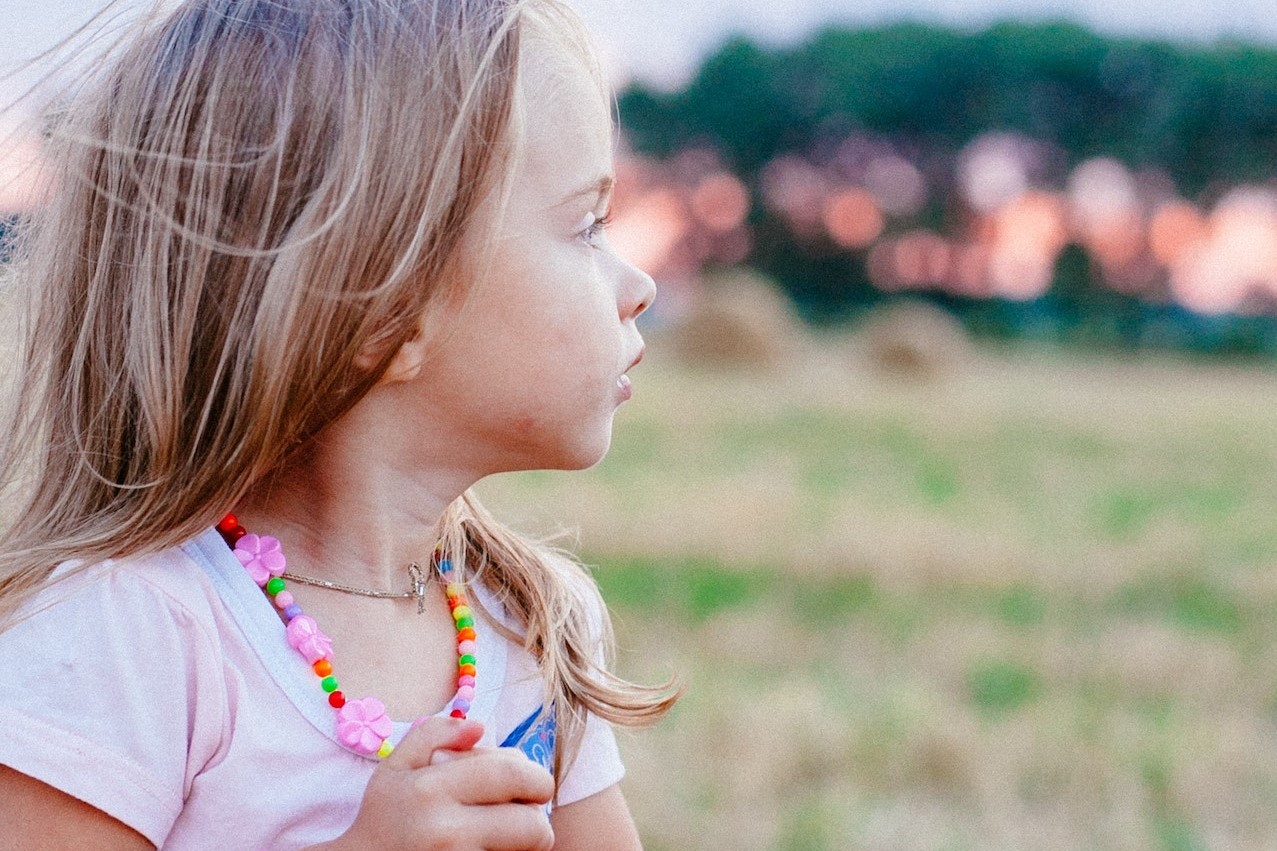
(623, 384)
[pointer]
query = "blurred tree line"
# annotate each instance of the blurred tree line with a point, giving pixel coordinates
(1206, 117)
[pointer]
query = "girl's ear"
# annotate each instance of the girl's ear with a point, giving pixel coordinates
(428, 333)
(407, 361)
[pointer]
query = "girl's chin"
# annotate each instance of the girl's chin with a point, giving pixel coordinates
(586, 450)
(585, 457)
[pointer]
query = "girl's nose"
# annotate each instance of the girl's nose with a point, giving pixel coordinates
(637, 292)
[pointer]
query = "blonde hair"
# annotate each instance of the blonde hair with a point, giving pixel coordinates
(202, 281)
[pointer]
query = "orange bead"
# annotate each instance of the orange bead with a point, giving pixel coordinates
(466, 634)
(466, 669)
(323, 668)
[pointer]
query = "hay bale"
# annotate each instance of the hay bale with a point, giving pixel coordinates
(740, 320)
(915, 339)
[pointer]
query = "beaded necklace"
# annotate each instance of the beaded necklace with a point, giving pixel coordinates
(362, 724)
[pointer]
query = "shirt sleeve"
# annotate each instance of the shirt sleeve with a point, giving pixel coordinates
(114, 695)
(597, 766)
(598, 760)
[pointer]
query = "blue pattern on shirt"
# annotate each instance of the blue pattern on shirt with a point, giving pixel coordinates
(535, 737)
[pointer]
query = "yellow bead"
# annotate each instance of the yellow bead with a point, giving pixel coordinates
(460, 612)
(453, 590)
(385, 749)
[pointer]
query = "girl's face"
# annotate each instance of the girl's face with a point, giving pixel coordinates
(534, 365)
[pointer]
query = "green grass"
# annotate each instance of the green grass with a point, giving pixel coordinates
(1001, 687)
(1031, 604)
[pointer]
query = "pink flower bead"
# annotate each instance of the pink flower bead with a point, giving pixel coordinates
(466, 692)
(262, 556)
(305, 636)
(362, 725)
(465, 680)
(465, 647)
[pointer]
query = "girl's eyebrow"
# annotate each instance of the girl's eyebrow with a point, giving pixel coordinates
(600, 188)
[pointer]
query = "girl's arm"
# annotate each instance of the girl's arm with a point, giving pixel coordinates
(37, 816)
(598, 823)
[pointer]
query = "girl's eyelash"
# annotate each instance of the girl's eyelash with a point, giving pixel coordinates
(597, 226)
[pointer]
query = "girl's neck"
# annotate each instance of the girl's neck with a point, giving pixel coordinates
(348, 512)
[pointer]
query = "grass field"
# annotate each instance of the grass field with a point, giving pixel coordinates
(1029, 604)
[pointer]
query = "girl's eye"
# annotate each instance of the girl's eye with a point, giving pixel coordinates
(596, 226)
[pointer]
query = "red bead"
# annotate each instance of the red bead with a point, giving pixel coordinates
(231, 531)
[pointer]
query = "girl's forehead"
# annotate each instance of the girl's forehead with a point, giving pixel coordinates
(567, 126)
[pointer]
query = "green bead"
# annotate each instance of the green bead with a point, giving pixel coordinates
(467, 659)
(464, 622)
(274, 586)
(328, 684)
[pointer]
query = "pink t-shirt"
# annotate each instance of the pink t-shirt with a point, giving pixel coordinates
(163, 692)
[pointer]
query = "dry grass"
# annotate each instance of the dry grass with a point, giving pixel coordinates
(1026, 603)
(741, 321)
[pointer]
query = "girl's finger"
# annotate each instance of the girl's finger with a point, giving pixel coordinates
(433, 735)
(441, 756)
(513, 827)
(496, 776)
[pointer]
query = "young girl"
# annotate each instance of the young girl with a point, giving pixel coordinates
(309, 270)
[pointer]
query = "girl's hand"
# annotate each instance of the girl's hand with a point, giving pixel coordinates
(492, 800)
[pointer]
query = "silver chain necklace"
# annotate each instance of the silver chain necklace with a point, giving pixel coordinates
(417, 581)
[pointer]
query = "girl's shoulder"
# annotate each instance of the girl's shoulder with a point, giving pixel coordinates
(171, 584)
(115, 669)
